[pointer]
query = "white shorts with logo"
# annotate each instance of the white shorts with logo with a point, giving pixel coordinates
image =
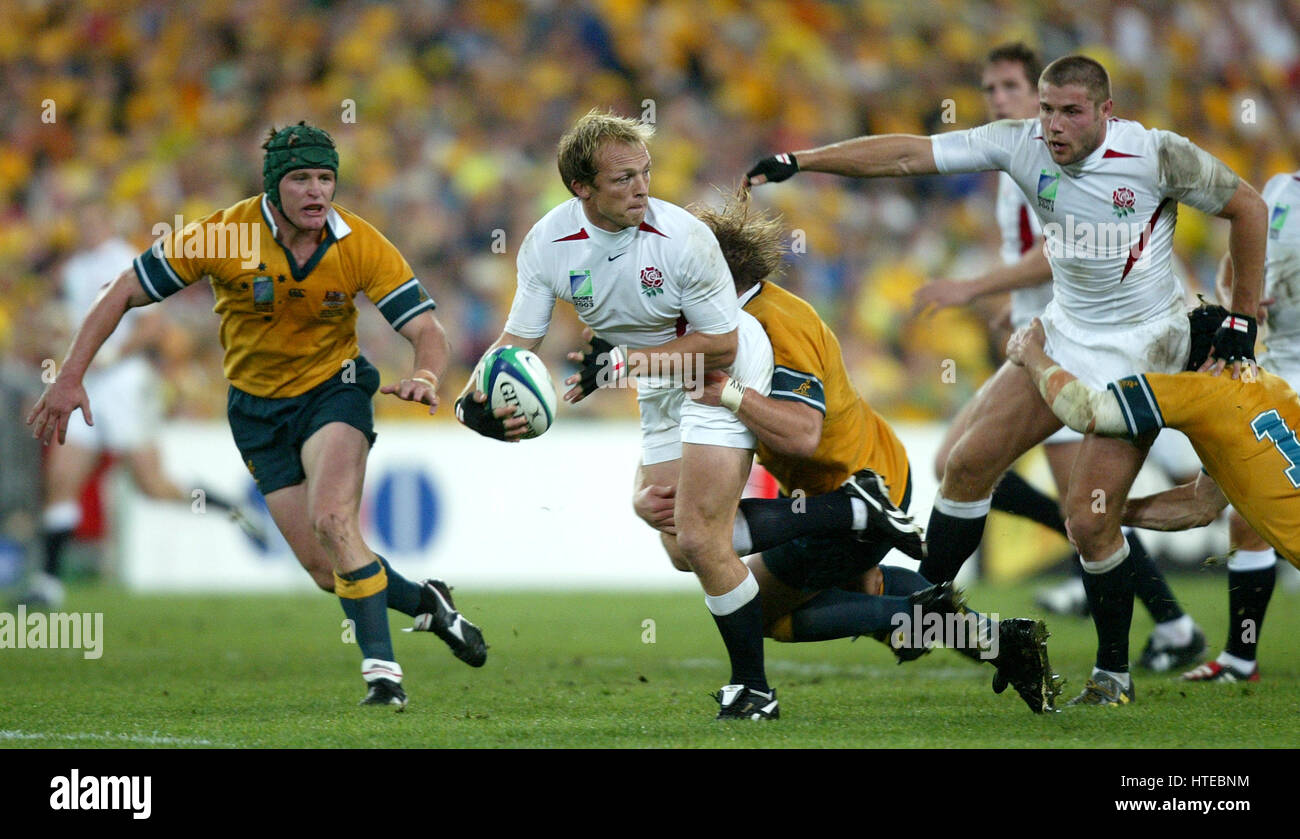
(1100, 356)
(125, 404)
(669, 417)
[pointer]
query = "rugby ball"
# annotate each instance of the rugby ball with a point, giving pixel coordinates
(517, 377)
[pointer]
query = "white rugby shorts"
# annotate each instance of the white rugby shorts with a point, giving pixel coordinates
(126, 405)
(669, 417)
(1098, 357)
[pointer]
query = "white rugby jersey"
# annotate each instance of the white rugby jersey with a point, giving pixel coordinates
(641, 287)
(1020, 230)
(1108, 219)
(83, 275)
(1282, 268)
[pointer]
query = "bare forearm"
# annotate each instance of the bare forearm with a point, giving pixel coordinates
(871, 157)
(784, 427)
(113, 302)
(1246, 246)
(686, 356)
(432, 350)
(1032, 270)
(1179, 508)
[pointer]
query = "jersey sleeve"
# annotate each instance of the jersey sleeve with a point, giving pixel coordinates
(164, 269)
(1166, 400)
(530, 313)
(1192, 176)
(709, 301)
(392, 286)
(798, 366)
(1138, 405)
(977, 149)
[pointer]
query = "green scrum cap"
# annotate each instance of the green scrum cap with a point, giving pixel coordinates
(300, 146)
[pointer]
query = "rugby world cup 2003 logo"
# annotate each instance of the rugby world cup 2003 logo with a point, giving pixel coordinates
(652, 281)
(1124, 201)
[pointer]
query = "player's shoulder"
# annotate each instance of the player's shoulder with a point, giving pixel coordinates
(781, 311)
(564, 222)
(671, 221)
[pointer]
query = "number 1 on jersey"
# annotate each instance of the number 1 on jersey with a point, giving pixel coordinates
(1269, 424)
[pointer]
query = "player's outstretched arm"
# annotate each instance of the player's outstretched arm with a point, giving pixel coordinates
(52, 411)
(885, 155)
(471, 404)
(432, 350)
(1234, 343)
(1190, 505)
(1079, 406)
(1033, 269)
(603, 364)
(785, 427)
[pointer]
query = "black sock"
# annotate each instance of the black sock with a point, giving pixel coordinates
(900, 582)
(1015, 495)
(1110, 597)
(1248, 596)
(403, 595)
(742, 633)
(952, 539)
(835, 613)
(1149, 584)
(363, 595)
(775, 521)
(55, 541)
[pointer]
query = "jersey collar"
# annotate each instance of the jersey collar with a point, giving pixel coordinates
(750, 294)
(337, 225)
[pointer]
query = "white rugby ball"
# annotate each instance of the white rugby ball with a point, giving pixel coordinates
(517, 377)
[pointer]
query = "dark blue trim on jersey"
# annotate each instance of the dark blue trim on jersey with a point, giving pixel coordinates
(1138, 404)
(156, 275)
(405, 302)
(797, 386)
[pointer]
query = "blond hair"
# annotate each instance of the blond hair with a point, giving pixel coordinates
(752, 241)
(576, 154)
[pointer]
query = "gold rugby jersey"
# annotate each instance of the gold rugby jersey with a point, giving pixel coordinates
(809, 368)
(1244, 433)
(284, 328)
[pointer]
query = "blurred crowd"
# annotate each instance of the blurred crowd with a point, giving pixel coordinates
(447, 115)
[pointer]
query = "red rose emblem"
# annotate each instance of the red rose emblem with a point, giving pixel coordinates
(1124, 200)
(652, 281)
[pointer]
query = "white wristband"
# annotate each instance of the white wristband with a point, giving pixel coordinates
(732, 392)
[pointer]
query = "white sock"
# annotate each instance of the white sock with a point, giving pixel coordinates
(1109, 563)
(1240, 665)
(963, 509)
(62, 515)
(1174, 633)
(1252, 560)
(741, 542)
(1122, 678)
(725, 604)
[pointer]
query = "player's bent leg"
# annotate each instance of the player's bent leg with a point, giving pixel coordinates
(288, 507)
(1099, 485)
(1252, 574)
(956, 429)
(1008, 417)
(67, 468)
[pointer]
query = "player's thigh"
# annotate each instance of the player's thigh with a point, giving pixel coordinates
(1241, 536)
(1060, 460)
(956, 429)
(66, 471)
(1008, 417)
(710, 483)
(663, 474)
(288, 507)
(1099, 483)
(334, 460)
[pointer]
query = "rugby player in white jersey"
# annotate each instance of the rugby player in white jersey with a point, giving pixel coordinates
(123, 385)
(1252, 564)
(1009, 82)
(638, 272)
(1106, 192)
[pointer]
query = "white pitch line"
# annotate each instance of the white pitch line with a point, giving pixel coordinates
(147, 739)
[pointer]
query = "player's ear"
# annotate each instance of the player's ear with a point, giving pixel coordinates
(583, 191)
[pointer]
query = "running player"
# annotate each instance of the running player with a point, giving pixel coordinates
(815, 433)
(1010, 92)
(300, 393)
(1106, 191)
(123, 383)
(638, 271)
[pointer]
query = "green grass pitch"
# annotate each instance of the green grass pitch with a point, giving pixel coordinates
(575, 670)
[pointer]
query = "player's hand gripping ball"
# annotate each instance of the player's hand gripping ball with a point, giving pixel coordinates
(518, 378)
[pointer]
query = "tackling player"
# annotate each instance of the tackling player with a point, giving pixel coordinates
(1243, 429)
(1010, 91)
(638, 271)
(815, 433)
(1106, 191)
(300, 393)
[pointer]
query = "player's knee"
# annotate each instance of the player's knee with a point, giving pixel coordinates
(1089, 528)
(323, 578)
(963, 469)
(698, 544)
